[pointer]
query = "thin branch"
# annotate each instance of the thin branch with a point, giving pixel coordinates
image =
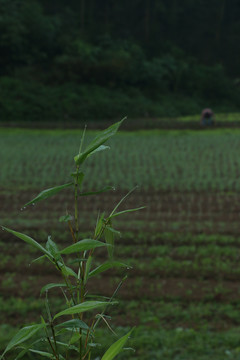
(103, 318)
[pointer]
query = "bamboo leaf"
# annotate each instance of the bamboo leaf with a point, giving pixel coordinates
(26, 348)
(100, 148)
(73, 324)
(82, 139)
(67, 271)
(65, 218)
(107, 188)
(48, 193)
(70, 347)
(28, 240)
(106, 266)
(85, 306)
(52, 248)
(51, 286)
(116, 347)
(75, 337)
(126, 211)
(109, 238)
(114, 231)
(46, 354)
(23, 352)
(99, 225)
(77, 260)
(37, 259)
(97, 142)
(82, 245)
(87, 269)
(23, 335)
(42, 353)
(120, 202)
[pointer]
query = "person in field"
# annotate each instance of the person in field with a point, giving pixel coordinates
(207, 117)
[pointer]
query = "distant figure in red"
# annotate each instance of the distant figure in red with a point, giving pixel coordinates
(207, 118)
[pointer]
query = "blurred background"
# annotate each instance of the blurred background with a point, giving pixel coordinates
(64, 64)
(71, 61)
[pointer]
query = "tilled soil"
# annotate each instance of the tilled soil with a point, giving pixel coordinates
(214, 213)
(180, 213)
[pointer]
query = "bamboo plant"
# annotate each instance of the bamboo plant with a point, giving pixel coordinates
(78, 320)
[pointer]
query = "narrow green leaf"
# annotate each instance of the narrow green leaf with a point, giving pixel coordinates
(23, 352)
(77, 260)
(73, 324)
(82, 245)
(119, 203)
(100, 148)
(98, 297)
(52, 248)
(28, 240)
(23, 335)
(51, 286)
(67, 271)
(97, 142)
(116, 347)
(46, 354)
(82, 139)
(87, 269)
(48, 193)
(75, 337)
(43, 353)
(43, 321)
(39, 258)
(109, 238)
(114, 231)
(104, 135)
(126, 211)
(26, 348)
(107, 188)
(70, 347)
(85, 306)
(65, 218)
(106, 266)
(99, 225)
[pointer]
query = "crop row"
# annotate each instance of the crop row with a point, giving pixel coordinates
(184, 161)
(159, 343)
(142, 312)
(140, 243)
(155, 253)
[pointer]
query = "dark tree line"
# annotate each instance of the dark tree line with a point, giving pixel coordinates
(151, 51)
(208, 30)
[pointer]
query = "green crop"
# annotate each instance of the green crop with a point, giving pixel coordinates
(158, 160)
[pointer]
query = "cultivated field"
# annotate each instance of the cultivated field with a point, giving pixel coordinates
(183, 291)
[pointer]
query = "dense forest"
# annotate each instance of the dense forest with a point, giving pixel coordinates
(87, 59)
